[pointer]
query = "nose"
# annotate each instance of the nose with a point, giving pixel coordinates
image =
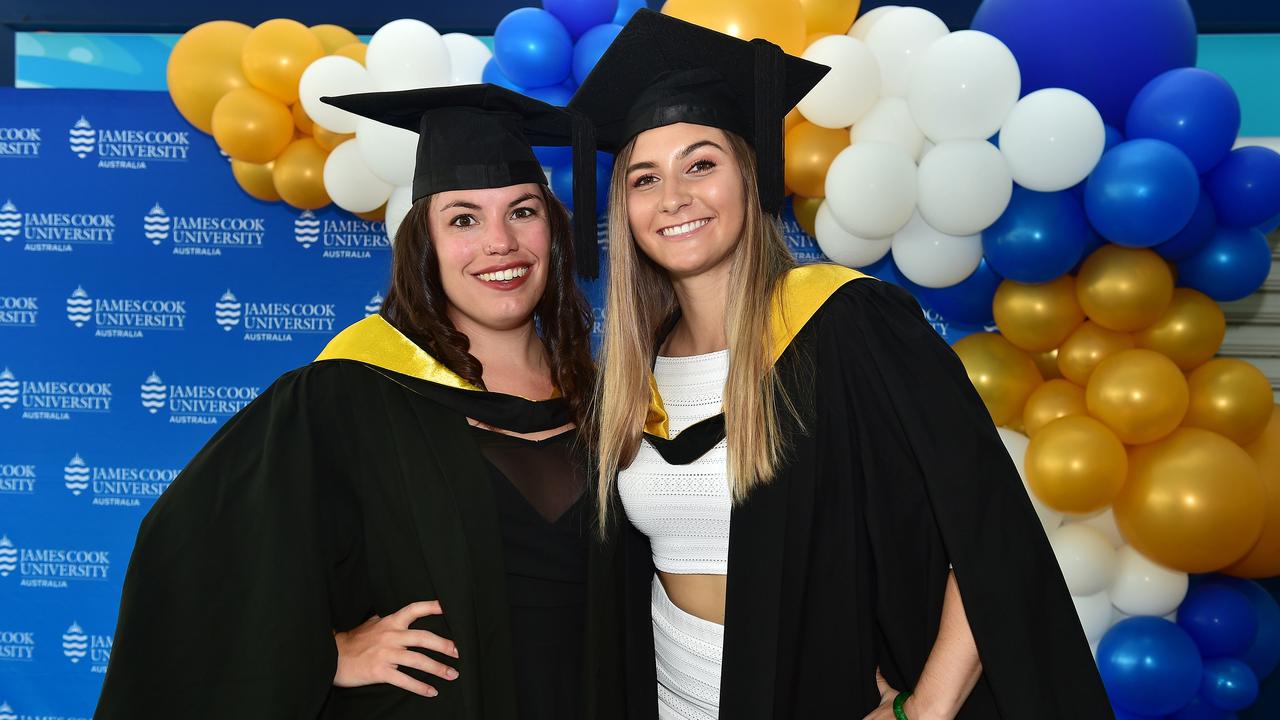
(500, 240)
(675, 196)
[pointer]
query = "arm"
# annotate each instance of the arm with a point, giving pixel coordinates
(953, 666)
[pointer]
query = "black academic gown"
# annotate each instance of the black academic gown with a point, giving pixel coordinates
(839, 564)
(352, 486)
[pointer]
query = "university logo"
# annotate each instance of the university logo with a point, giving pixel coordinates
(17, 479)
(19, 310)
(6, 712)
(76, 475)
(129, 148)
(75, 644)
(53, 567)
(79, 307)
(10, 221)
(227, 311)
(55, 231)
(122, 486)
(10, 390)
(154, 393)
(156, 225)
(17, 645)
(306, 229)
(205, 235)
(53, 399)
(8, 556)
(83, 138)
(342, 239)
(185, 404)
(274, 320)
(78, 645)
(19, 142)
(374, 305)
(125, 317)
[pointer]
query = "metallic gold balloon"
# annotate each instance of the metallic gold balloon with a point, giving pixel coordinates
(1190, 331)
(1076, 465)
(275, 54)
(1055, 399)
(251, 125)
(1003, 375)
(299, 175)
(1263, 559)
(1140, 394)
(301, 120)
(806, 211)
(255, 179)
(1124, 289)
(829, 16)
(1230, 397)
(203, 66)
(1089, 345)
(1037, 318)
(378, 214)
(809, 152)
(781, 22)
(1048, 364)
(356, 51)
(329, 139)
(1192, 502)
(333, 37)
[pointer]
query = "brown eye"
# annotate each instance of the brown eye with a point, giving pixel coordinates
(702, 166)
(643, 181)
(523, 213)
(463, 221)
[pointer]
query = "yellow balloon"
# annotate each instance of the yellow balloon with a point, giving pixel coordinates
(1192, 502)
(203, 66)
(275, 54)
(1140, 394)
(781, 22)
(356, 51)
(806, 211)
(1124, 289)
(809, 152)
(255, 179)
(1037, 318)
(792, 119)
(829, 16)
(378, 214)
(1230, 397)
(333, 37)
(1052, 400)
(329, 139)
(252, 126)
(301, 120)
(1076, 465)
(1190, 331)
(1048, 363)
(299, 174)
(1089, 345)
(1003, 375)
(1263, 559)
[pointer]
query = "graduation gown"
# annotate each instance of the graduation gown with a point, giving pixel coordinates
(838, 565)
(351, 486)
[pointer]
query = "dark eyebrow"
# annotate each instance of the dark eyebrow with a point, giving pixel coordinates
(460, 204)
(522, 198)
(640, 166)
(683, 154)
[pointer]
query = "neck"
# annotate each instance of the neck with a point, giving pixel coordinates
(515, 360)
(703, 298)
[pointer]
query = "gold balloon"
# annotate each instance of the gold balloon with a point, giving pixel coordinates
(1140, 394)
(1052, 400)
(809, 152)
(203, 66)
(1230, 397)
(333, 37)
(1037, 318)
(829, 16)
(1190, 331)
(329, 139)
(251, 125)
(255, 179)
(806, 211)
(378, 214)
(299, 175)
(781, 22)
(1263, 559)
(1003, 375)
(1089, 345)
(792, 119)
(1124, 289)
(275, 54)
(1076, 465)
(301, 120)
(1048, 363)
(1192, 502)
(356, 51)
(815, 37)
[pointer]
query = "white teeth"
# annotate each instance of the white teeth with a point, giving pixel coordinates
(682, 229)
(503, 275)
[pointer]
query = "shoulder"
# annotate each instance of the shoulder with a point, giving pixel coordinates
(869, 305)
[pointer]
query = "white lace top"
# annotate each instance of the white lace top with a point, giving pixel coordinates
(684, 509)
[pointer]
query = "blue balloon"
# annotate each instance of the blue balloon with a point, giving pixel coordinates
(533, 48)
(493, 74)
(1141, 193)
(884, 270)
(1264, 655)
(590, 47)
(1245, 186)
(1149, 666)
(1039, 237)
(1194, 110)
(1122, 715)
(557, 95)
(627, 8)
(968, 301)
(1091, 46)
(1112, 139)
(562, 182)
(1198, 709)
(1222, 621)
(579, 16)
(1269, 226)
(1233, 264)
(1198, 231)
(1228, 684)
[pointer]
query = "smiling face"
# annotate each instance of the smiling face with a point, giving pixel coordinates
(493, 247)
(685, 198)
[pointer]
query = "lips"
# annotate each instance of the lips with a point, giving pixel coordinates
(687, 228)
(511, 273)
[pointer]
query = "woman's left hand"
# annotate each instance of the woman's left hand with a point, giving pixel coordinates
(887, 695)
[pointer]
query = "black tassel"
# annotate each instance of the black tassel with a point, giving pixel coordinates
(585, 248)
(770, 79)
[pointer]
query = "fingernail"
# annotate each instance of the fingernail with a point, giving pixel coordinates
(432, 692)
(452, 674)
(453, 650)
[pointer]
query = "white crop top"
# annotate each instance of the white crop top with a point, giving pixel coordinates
(684, 509)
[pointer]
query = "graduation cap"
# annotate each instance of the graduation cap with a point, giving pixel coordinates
(480, 136)
(661, 70)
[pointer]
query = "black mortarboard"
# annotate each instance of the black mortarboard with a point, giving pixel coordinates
(660, 71)
(480, 136)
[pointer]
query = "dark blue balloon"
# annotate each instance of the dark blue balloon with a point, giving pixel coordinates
(884, 269)
(1234, 263)
(1093, 46)
(1113, 138)
(1267, 227)
(1198, 231)
(557, 95)
(562, 182)
(1194, 110)
(1149, 666)
(533, 48)
(494, 75)
(627, 8)
(1198, 709)
(553, 156)
(1222, 621)
(1264, 655)
(1228, 684)
(1245, 186)
(579, 16)
(590, 47)
(1141, 193)
(1122, 715)
(966, 302)
(1039, 237)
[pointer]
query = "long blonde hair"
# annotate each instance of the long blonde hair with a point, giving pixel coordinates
(640, 298)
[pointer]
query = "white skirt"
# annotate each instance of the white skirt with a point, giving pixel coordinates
(688, 651)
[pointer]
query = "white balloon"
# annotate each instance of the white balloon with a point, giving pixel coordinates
(844, 247)
(1094, 612)
(467, 58)
(389, 151)
(871, 188)
(1016, 443)
(407, 54)
(331, 76)
(932, 258)
(350, 183)
(898, 40)
(889, 121)
(869, 19)
(964, 186)
(1052, 139)
(1086, 558)
(1142, 587)
(397, 207)
(1103, 520)
(963, 87)
(849, 90)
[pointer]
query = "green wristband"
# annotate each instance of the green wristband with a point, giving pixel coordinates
(898, 702)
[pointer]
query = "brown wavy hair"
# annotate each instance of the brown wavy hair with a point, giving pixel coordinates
(416, 305)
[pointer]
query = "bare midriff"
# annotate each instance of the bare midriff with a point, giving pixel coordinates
(701, 596)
